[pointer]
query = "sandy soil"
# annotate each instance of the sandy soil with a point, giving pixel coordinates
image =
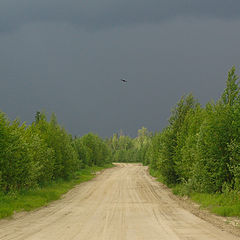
(121, 203)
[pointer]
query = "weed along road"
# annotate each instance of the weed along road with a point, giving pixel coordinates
(120, 203)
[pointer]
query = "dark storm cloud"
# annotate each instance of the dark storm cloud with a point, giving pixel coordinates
(94, 14)
(67, 57)
(76, 73)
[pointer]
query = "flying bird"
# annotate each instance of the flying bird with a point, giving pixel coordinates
(123, 80)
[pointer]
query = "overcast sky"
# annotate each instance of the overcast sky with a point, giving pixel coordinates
(67, 57)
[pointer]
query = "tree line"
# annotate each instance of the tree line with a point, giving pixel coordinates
(127, 149)
(31, 156)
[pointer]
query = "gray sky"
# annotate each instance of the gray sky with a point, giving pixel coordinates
(67, 57)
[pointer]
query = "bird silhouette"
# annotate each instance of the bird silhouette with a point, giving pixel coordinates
(123, 80)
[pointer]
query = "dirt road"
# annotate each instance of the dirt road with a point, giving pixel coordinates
(121, 203)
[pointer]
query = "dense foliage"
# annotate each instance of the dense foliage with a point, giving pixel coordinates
(44, 152)
(200, 148)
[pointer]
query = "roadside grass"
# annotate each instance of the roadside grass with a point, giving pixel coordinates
(155, 174)
(31, 199)
(225, 204)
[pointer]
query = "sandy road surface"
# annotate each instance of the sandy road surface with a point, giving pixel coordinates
(121, 203)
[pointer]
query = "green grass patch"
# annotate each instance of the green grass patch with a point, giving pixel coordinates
(156, 174)
(223, 204)
(35, 198)
(182, 189)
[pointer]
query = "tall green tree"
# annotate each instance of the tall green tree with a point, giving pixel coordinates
(230, 95)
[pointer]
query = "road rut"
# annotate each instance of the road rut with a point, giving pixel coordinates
(122, 203)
